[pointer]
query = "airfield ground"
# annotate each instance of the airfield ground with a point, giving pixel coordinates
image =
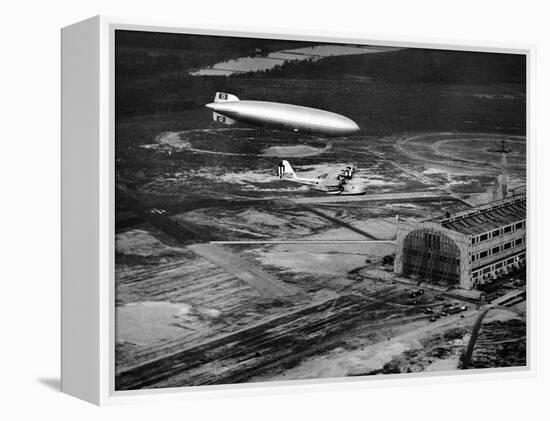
(226, 274)
(193, 311)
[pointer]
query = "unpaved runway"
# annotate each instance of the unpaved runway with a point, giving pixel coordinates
(253, 275)
(388, 197)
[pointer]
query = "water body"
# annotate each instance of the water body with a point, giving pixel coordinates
(254, 64)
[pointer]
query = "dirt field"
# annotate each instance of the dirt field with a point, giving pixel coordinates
(189, 312)
(190, 298)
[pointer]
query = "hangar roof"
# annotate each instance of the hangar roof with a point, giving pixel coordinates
(487, 217)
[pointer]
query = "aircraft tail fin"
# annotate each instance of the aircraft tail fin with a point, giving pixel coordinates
(223, 97)
(285, 170)
(223, 119)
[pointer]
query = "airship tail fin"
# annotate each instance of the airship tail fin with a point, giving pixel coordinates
(285, 170)
(223, 97)
(223, 119)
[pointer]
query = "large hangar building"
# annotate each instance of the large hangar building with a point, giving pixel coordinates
(466, 249)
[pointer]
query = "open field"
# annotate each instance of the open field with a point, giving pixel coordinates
(297, 295)
(177, 295)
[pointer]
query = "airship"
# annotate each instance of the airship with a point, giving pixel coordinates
(228, 109)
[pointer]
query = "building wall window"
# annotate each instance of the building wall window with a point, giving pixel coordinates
(491, 271)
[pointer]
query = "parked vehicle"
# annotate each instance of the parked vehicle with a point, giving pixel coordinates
(457, 309)
(416, 293)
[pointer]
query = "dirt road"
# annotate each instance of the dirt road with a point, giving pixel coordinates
(253, 275)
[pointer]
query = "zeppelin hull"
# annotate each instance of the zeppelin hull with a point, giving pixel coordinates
(286, 116)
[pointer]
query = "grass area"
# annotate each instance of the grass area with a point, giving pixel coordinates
(411, 65)
(405, 90)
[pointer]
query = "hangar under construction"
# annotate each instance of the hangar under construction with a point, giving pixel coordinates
(466, 249)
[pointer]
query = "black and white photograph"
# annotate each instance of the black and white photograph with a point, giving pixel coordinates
(292, 210)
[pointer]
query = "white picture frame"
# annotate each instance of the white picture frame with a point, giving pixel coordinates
(88, 302)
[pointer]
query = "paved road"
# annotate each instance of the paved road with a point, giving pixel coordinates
(253, 275)
(304, 242)
(382, 197)
(338, 221)
(181, 230)
(498, 303)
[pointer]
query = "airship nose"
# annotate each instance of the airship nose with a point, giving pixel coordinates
(350, 127)
(353, 127)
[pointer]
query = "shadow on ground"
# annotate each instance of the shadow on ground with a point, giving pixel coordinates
(53, 383)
